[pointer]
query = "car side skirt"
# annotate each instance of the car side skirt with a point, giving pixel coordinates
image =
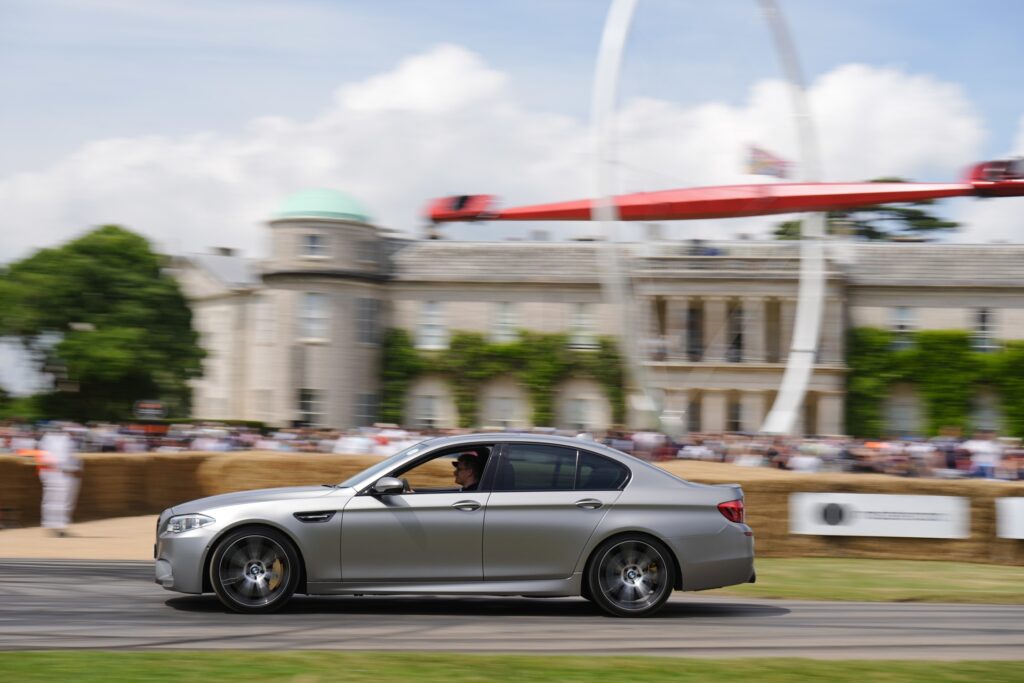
(540, 588)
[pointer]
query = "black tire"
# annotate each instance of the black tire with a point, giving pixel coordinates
(254, 570)
(630, 576)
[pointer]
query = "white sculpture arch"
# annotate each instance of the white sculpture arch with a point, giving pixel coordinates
(810, 303)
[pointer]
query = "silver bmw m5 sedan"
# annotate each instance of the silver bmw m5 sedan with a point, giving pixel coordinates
(486, 514)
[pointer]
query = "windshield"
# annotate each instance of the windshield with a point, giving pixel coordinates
(384, 465)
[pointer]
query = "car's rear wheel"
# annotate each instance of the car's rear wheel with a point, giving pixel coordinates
(630, 576)
(254, 569)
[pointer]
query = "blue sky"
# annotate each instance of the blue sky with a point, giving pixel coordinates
(178, 118)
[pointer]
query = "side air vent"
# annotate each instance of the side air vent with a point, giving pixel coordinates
(313, 517)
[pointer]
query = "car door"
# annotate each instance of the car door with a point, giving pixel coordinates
(420, 536)
(537, 521)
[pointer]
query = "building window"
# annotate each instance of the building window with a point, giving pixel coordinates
(314, 316)
(984, 337)
(693, 416)
(367, 327)
(432, 333)
(367, 409)
(367, 251)
(902, 326)
(310, 407)
(734, 323)
(264, 319)
(581, 327)
(903, 415)
(734, 416)
(695, 332)
(313, 245)
(579, 413)
(504, 323)
(502, 411)
(985, 414)
(425, 412)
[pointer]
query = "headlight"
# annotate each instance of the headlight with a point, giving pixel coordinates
(180, 523)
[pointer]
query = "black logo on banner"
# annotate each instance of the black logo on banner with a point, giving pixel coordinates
(833, 513)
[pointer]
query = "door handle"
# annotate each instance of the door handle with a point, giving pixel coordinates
(467, 505)
(589, 503)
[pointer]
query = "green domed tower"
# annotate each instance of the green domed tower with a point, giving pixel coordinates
(324, 281)
(322, 203)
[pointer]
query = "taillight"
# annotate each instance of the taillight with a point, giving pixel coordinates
(732, 510)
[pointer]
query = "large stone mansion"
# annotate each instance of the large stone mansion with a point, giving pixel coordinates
(296, 338)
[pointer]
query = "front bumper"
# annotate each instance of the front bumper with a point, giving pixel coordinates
(180, 559)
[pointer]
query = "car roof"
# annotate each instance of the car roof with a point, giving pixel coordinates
(548, 439)
(520, 437)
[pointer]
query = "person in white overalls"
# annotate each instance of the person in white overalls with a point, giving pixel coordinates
(59, 472)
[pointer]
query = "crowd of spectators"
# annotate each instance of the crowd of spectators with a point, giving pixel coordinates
(945, 456)
(105, 437)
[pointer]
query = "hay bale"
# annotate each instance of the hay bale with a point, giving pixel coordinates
(171, 478)
(111, 486)
(20, 492)
(228, 472)
(116, 485)
(767, 493)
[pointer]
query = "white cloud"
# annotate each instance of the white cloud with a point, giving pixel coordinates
(415, 86)
(444, 122)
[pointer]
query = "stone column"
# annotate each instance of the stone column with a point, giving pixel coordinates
(831, 419)
(676, 312)
(650, 341)
(715, 332)
(713, 410)
(833, 330)
(675, 407)
(787, 316)
(754, 347)
(753, 408)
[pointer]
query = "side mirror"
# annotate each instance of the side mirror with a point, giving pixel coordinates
(387, 486)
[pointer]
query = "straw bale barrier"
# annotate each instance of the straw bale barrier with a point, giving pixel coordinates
(115, 485)
(767, 491)
(20, 491)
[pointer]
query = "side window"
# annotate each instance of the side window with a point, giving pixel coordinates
(534, 467)
(439, 474)
(599, 474)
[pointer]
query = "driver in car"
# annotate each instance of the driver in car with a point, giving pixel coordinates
(468, 468)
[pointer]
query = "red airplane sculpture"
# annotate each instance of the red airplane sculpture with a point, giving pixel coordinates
(1004, 178)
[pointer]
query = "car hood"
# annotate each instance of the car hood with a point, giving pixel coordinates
(258, 496)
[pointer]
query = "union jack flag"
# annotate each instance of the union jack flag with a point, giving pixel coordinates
(763, 162)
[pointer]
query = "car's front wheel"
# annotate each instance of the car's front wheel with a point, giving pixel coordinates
(254, 569)
(630, 576)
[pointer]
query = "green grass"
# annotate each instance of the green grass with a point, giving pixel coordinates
(884, 581)
(313, 667)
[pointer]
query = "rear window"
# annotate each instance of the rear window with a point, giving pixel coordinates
(599, 474)
(533, 467)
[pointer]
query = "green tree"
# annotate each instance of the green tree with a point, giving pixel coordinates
(102, 316)
(878, 222)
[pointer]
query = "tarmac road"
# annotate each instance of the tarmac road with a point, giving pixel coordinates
(114, 605)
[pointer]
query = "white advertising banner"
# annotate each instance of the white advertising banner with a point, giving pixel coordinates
(870, 514)
(1010, 517)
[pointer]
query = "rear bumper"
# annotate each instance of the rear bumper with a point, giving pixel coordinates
(727, 560)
